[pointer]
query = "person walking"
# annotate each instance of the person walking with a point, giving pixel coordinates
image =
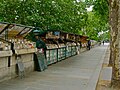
(41, 53)
(41, 63)
(89, 44)
(103, 42)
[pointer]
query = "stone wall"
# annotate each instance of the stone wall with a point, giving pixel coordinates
(12, 71)
(4, 69)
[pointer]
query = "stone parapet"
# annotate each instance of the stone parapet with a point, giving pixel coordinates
(9, 68)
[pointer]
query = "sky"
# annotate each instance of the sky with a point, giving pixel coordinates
(90, 8)
(80, 0)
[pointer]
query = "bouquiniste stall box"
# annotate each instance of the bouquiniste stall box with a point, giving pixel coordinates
(52, 46)
(70, 45)
(58, 39)
(22, 48)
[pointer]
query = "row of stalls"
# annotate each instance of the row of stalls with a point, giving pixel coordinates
(61, 45)
(17, 52)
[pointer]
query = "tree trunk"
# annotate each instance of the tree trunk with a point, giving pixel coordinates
(110, 14)
(114, 23)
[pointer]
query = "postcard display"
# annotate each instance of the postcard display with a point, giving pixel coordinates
(14, 48)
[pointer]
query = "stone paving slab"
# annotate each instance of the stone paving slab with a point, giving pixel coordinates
(80, 72)
(106, 73)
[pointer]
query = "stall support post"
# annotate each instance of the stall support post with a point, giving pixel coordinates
(9, 61)
(57, 56)
(49, 57)
(6, 34)
(65, 52)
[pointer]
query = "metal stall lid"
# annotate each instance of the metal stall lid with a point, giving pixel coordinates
(13, 31)
(8, 30)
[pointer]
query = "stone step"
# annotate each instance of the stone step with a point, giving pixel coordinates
(106, 76)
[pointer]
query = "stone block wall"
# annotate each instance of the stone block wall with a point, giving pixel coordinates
(12, 71)
(4, 69)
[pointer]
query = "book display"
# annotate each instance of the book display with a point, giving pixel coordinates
(74, 48)
(51, 44)
(61, 51)
(51, 53)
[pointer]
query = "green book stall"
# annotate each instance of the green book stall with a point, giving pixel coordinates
(70, 45)
(78, 43)
(74, 48)
(61, 51)
(68, 49)
(51, 53)
(52, 47)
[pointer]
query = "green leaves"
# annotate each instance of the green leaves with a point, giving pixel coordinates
(97, 19)
(102, 10)
(66, 15)
(48, 14)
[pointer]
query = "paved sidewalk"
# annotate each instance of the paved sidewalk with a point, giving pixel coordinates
(80, 72)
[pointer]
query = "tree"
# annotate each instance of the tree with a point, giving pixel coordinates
(114, 47)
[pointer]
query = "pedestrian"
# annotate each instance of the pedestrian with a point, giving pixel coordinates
(89, 45)
(103, 42)
(41, 53)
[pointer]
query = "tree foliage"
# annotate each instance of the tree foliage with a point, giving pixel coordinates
(67, 15)
(47, 14)
(102, 10)
(98, 19)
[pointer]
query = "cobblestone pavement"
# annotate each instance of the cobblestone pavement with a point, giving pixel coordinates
(79, 72)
